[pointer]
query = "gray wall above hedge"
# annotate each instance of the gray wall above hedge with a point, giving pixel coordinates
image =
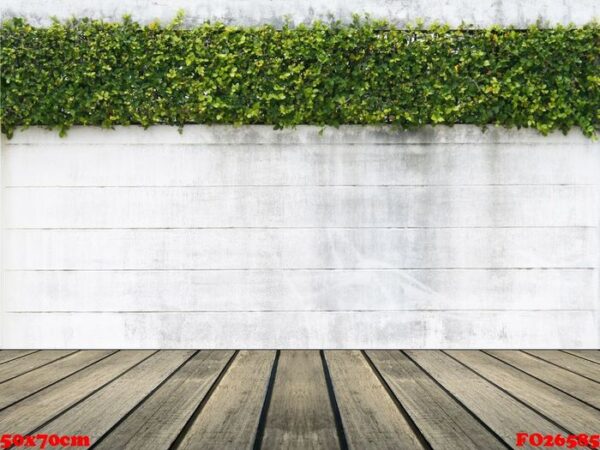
(519, 13)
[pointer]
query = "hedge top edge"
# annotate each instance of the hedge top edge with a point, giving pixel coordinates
(90, 72)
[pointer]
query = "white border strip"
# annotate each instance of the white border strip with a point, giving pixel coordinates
(481, 13)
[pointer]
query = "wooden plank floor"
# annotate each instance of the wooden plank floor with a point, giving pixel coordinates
(299, 399)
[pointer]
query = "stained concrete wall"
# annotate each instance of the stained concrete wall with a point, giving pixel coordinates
(519, 13)
(362, 237)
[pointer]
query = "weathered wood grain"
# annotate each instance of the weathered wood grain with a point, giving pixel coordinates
(102, 410)
(34, 381)
(158, 421)
(569, 413)
(444, 422)
(590, 355)
(370, 417)
(501, 412)
(167, 399)
(9, 355)
(33, 412)
(573, 363)
(230, 417)
(30, 362)
(573, 384)
(300, 415)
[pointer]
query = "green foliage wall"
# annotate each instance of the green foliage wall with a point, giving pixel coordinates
(93, 73)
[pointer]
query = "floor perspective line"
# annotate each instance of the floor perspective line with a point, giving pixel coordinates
(300, 399)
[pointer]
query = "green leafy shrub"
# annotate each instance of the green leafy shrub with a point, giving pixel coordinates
(87, 72)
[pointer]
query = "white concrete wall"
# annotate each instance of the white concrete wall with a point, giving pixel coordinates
(520, 13)
(249, 237)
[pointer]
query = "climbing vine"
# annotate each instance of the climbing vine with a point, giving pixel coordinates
(89, 72)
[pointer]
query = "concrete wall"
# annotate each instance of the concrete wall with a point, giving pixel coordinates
(520, 13)
(249, 237)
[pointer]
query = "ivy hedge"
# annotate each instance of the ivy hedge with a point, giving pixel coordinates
(89, 72)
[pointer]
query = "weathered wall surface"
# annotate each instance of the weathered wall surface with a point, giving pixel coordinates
(249, 237)
(520, 13)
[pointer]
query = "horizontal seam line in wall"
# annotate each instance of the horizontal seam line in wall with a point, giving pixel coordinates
(200, 186)
(301, 228)
(280, 144)
(298, 269)
(297, 311)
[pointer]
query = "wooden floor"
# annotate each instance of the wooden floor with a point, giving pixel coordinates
(299, 399)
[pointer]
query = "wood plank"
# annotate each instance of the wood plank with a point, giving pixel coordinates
(156, 423)
(301, 248)
(314, 206)
(230, 417)
(30, 362)
(571, 414)
(101, 411)
(34, 381)
(590, 355)
(300, 415)
(195, 164)
(573, 384)
(9, 355)
(33, 412)
(305, 330)
(300, 290)
(498, 410)
(444, 422)
(573, 363)
(369, 415)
